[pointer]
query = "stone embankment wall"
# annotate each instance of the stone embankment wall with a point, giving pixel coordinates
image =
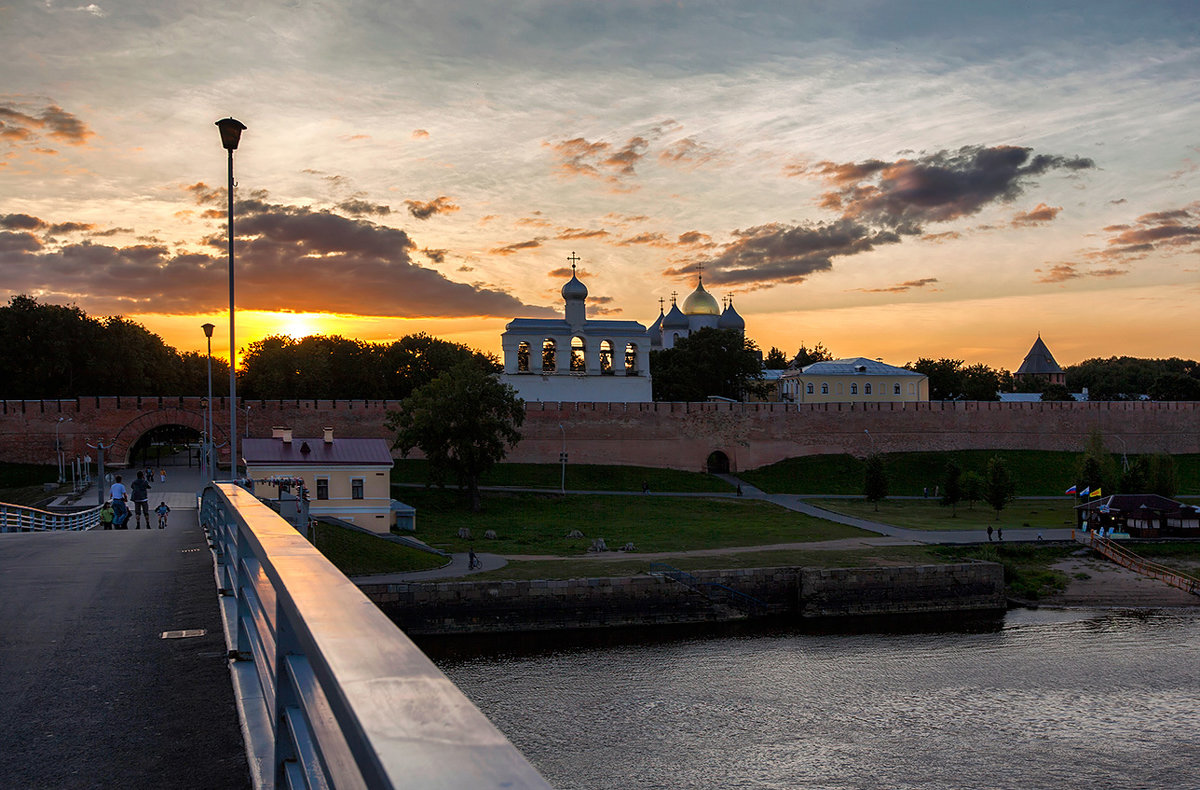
(670, 435)
(500, 606)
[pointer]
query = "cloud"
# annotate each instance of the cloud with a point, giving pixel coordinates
(512, 249)
(288, 257)
(425, 210)
(694, 238)
(1058, 273)
(651, 239)
(687, 152)
(880, 202)
(1171, 231)
(900, 287)
(420, 134)
(780, 253)
(937, 187)
(437, 256)
(601, 160)
(938, 238)
(569, 234)
(18, 125)
(1038, 215)
(361, 208)
(566, 271)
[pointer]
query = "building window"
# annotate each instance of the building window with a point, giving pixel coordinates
(356, 488)
(606, 358)
(523, 357)
(549, 347)
(824, 389)
(322, 488)
(631, 359)
(854, 388)
(867, 388)
(896, 388)
(808, 388)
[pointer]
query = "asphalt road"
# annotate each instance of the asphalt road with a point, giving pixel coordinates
(91, 696)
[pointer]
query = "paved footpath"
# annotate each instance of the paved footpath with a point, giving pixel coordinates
(91, 696)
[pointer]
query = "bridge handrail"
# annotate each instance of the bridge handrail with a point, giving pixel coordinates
(22, 518)
(349, 700)
(1123, 556)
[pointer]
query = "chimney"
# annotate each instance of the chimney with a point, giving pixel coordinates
(282, 432)
(329, 436)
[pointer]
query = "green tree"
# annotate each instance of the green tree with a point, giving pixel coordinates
(1097, 468)
(972, 486)
(875, 481)
(979, 382)
(945, 377)
(1175, 386)
(464, 422)
(806, 356)
(1056, 392)
(775, 359)
(1161, 475)
(998, 485)
(1135, 479)
(952, 487)
(707, 362)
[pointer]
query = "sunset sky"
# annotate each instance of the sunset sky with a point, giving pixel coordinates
(893, 179)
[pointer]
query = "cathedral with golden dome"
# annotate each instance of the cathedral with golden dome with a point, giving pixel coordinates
(700, 311)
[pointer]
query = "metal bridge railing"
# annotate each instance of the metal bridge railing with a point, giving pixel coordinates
(331, 692)
(1123, 556)
(19, 518)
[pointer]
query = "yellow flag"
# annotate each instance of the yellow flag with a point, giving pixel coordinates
(1095, 494)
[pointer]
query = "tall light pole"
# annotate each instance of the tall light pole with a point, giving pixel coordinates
(231, 133)
(208, 424)
(562, 458)
(62, 477)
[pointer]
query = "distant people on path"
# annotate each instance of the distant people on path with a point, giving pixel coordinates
(925, 492)
(162, 475)
(989, 533)
(1000, 534)
(162, 510)
(140, 493)
(106, 515)
(739, 493)
(645, 487)
(472, 560)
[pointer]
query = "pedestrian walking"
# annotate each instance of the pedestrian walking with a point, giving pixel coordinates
(162, 475)
(106, 515)
(989, 533)
(1000, 534)
(139, 491)
(472, 560)
(120, 503)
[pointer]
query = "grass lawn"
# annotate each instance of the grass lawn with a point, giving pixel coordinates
(927, 514)
(21, 484)
(580, 477)
(630, 565)
(1036, 472)
(1027, 572)
(355, 553)
(528, 523)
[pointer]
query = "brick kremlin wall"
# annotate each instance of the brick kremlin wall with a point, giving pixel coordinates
(672, 435)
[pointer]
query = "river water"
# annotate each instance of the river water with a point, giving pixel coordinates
(1040, 699)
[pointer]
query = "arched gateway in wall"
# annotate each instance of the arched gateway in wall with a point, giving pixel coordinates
(717, 463)
(130, 432)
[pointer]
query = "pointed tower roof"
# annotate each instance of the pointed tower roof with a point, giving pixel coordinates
(1039, 361)
(730, 318)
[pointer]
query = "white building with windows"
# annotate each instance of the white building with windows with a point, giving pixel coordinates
(855, 380)
(576, 359)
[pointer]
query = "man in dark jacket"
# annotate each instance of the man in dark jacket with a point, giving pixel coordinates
(139, 492)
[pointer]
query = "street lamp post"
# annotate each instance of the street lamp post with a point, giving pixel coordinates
(62, 477)
(208, 424)
(562, 458)
(100, 447)
(231, 133)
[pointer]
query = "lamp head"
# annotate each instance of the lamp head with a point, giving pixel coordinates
(208, 330)
(231, 132)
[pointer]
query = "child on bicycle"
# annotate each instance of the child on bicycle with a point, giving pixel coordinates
(162, 510)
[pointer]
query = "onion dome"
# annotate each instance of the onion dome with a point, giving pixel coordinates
(574, 289)
(674, 319)
(700, 302)
(656, 329)
(730, 319)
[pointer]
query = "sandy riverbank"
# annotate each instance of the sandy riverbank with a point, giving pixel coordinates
(1110, 585)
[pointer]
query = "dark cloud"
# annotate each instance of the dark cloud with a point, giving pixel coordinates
(788, 253)
(20, 222)
(512, 249)
(880, 202)
(694, 238)
(901, 287)
(651, 239)
(1171, 231)
(1063, 272)
(361, 208)
(437, 256)
(566, 271)
(288, 257)
(937, 187)
(938, 238)
(18, 125)
(426, 209)
(1038, 215)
